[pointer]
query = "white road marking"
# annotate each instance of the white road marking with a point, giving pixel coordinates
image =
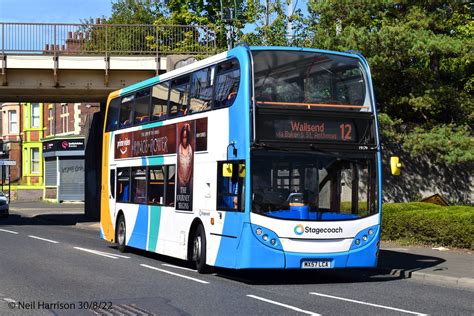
(284, 305)
(44, 239)
(100, 253)
(8, 231)
(177, 267)
(175, 274)
(369, 304)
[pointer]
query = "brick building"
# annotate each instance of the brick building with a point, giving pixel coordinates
(10, 137)
(66, 127)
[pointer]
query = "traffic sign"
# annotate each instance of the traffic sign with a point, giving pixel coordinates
(7, 162)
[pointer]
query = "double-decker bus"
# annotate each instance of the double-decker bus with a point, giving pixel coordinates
(259, 157)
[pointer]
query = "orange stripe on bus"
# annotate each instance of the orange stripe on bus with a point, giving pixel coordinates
(314, 104)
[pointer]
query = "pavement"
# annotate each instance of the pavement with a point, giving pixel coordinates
(439, 266)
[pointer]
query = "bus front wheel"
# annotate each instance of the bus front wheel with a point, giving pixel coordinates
(199, 250)
(120, 234)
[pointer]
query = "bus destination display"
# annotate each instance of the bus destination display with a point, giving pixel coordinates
(273, 128)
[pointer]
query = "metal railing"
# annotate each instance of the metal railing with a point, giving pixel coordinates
(105, 39)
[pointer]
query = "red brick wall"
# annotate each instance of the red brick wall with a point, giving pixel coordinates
(15, 154)
(85, 112)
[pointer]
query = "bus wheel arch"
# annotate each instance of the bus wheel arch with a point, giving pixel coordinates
(197, 246)
(121, 232)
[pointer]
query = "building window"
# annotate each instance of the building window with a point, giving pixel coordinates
(35, 115)
(12, 122)
(50, 121)
(64, 117)
(35, 160)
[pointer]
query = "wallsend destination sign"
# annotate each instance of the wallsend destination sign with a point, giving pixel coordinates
(314, 129)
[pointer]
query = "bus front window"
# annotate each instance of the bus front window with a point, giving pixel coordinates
(311, 186)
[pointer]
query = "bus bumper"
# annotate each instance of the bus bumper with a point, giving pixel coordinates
(255, 253)
(364, 257)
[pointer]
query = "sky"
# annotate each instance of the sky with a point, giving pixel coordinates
(65, 11)
(53, 11)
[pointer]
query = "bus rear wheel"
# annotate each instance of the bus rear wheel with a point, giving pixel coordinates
(199, 250)
(120, 234)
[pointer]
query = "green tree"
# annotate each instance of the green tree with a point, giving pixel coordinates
(421, 55)
(271, 22)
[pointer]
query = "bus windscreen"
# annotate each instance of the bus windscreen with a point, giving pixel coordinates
(310, 80)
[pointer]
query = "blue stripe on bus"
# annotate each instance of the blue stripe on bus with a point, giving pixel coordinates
(154, 230)
(238, 134)
(140, 230)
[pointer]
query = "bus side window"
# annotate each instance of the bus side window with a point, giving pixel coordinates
(142, 106)
(123, 184)
(112, 182)
(170, 185)
(230, 185)
(126, 111)
(159, 101)
(139, 185)
(201, 90)
(113, 115)
(179, 97)
(227, 83)
(156, 185)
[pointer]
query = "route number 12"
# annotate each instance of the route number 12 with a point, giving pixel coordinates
(346, 130)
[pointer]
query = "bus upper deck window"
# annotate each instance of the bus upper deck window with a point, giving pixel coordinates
(141, 108)
(126, 111)
(179, 97)
(159, 101)
(113, 115)
(227, 83)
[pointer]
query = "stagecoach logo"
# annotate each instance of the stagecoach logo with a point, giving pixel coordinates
(300, 230)
(122, 145)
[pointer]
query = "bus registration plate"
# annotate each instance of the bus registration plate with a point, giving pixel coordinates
(316, 265)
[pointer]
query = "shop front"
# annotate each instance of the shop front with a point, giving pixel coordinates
(64, 169)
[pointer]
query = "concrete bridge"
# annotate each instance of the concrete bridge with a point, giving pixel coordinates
(85, 62)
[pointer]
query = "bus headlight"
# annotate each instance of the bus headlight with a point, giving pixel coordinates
(266, 236)
(365, 237)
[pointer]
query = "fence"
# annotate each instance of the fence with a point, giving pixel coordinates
(105, 39)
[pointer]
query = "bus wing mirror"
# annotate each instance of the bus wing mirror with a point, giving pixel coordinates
(227, 170)
(395, 165)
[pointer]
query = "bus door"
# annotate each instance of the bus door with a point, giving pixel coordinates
(231, 196)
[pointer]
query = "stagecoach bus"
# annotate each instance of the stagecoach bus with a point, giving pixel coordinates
(258, 157)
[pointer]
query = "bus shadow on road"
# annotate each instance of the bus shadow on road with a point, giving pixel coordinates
(393, 265)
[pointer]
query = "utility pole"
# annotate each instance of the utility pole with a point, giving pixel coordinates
(289, 14)
(267, 12)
